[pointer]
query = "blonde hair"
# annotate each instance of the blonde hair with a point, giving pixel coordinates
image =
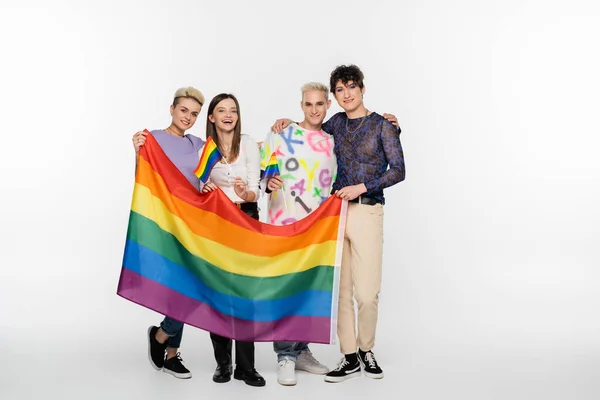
(190, 93)
(307, 87)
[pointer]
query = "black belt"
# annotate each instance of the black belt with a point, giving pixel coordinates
(247, 206)
(371, 201)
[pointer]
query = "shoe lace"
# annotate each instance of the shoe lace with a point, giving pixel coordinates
(178, 357)
(343, 362)
(370, 358)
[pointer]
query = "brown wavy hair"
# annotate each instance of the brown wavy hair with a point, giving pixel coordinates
(211, 130)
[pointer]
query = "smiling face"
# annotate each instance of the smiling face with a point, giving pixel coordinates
(185, 113)
(314, 106)
(349, 96)
(224, 116)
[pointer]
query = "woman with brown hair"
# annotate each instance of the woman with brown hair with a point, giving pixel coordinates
(237, 175)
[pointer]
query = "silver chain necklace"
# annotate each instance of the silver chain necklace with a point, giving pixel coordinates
(359, 125)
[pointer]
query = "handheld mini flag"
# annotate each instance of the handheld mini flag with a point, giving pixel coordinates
(272, 168)
(209, 158)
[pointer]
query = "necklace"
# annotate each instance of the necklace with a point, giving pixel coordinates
(359, 125)
(173, 133)
(225, 153)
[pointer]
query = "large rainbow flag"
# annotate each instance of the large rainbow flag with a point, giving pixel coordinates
(199, 259)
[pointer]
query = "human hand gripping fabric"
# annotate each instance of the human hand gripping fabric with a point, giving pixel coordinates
(392, 118)
(351, 192)
(280, 125)
(209, 187)
(138, 139)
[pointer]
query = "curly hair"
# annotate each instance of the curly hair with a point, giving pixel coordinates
(346, 73)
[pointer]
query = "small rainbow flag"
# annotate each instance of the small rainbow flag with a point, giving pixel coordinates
(209, 158)
(272, 167)
(200, 260)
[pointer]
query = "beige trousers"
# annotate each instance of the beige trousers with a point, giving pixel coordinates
(360, 277)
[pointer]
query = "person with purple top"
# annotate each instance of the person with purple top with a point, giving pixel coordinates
(369, 159)
(183, 151)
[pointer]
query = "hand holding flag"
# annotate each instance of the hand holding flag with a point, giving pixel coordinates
(272, 168)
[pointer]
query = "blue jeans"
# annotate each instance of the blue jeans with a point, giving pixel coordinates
(289, 350)
(174, 329)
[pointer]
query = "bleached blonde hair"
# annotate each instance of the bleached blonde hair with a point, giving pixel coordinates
(307, 87)
(190, 93)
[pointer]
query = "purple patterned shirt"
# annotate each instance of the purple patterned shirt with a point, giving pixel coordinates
(364, 148)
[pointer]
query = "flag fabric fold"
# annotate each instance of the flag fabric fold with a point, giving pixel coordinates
(199, 259)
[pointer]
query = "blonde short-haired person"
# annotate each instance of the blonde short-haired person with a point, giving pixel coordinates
(238, 176)
(369, 159)
(312, 164)
(182, 149)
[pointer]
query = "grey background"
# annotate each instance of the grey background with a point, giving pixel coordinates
(491, 244)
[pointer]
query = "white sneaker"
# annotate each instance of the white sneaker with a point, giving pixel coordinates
(306, 362)
(286, 374)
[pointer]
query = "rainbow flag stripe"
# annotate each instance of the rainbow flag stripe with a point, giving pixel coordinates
(208, 159)
(272, 167)
(199, 259)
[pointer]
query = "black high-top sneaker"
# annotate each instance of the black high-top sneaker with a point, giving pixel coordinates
(347, 368)
(369, 364)
(156, 350)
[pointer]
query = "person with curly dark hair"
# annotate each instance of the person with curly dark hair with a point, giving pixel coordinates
(365, 144)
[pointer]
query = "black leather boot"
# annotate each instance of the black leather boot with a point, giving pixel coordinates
(250, 376)
(222, 373)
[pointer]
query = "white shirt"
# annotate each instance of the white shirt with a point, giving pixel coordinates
(246, 166)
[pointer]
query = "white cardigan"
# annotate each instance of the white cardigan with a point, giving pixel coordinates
(246, 166)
